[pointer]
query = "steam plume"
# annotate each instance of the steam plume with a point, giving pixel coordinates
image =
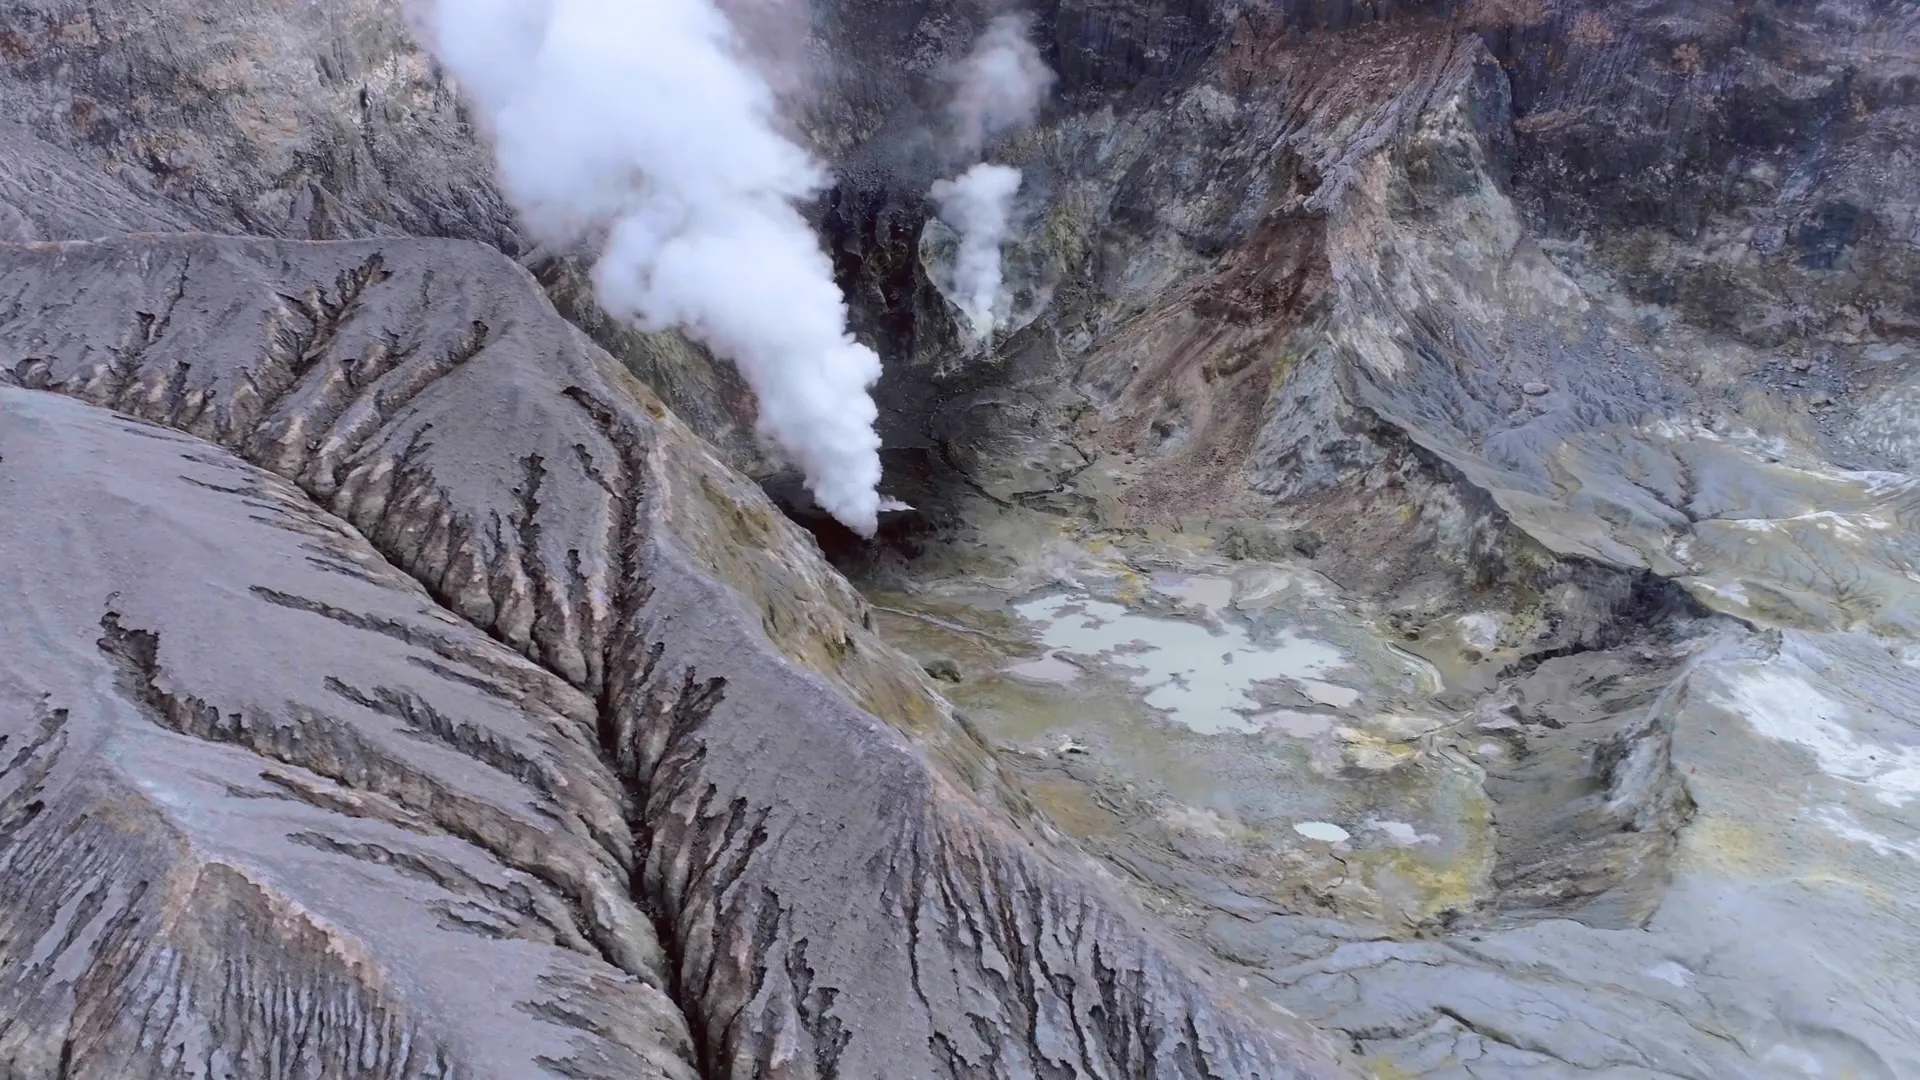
(1001, 84)
(978, 205)
(638, 122)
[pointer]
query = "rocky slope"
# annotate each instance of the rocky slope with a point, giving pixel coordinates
(433, 633)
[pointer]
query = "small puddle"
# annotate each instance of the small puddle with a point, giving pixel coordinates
(1322, 830)
(1208, 678)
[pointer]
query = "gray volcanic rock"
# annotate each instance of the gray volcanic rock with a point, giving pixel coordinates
(46, 193)
(270, 811)
(311, 121)
(827, 853)
(1488, 226)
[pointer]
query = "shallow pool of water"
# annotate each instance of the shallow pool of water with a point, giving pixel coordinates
(1208, 677)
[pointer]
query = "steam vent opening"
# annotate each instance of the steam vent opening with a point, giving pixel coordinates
(909, 519)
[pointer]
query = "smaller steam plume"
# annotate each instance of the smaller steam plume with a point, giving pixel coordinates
(978, 205)
(1001, 85)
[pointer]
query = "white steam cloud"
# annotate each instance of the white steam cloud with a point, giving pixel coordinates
(640, 123)
(978, 204)
(1001, 85)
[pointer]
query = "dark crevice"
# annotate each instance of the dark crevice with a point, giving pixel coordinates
(322, 476)
(522, 680)
(1652, 605)
(147, 330)
(649, 734)
(346, 802)
(421, 719)
(31, 765)
(445, 875)
(647, 724)
(333, 749)
(296, 350)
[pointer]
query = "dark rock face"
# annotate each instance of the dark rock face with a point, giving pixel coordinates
(1776, 128)
(1736, 167)
(578, 695)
